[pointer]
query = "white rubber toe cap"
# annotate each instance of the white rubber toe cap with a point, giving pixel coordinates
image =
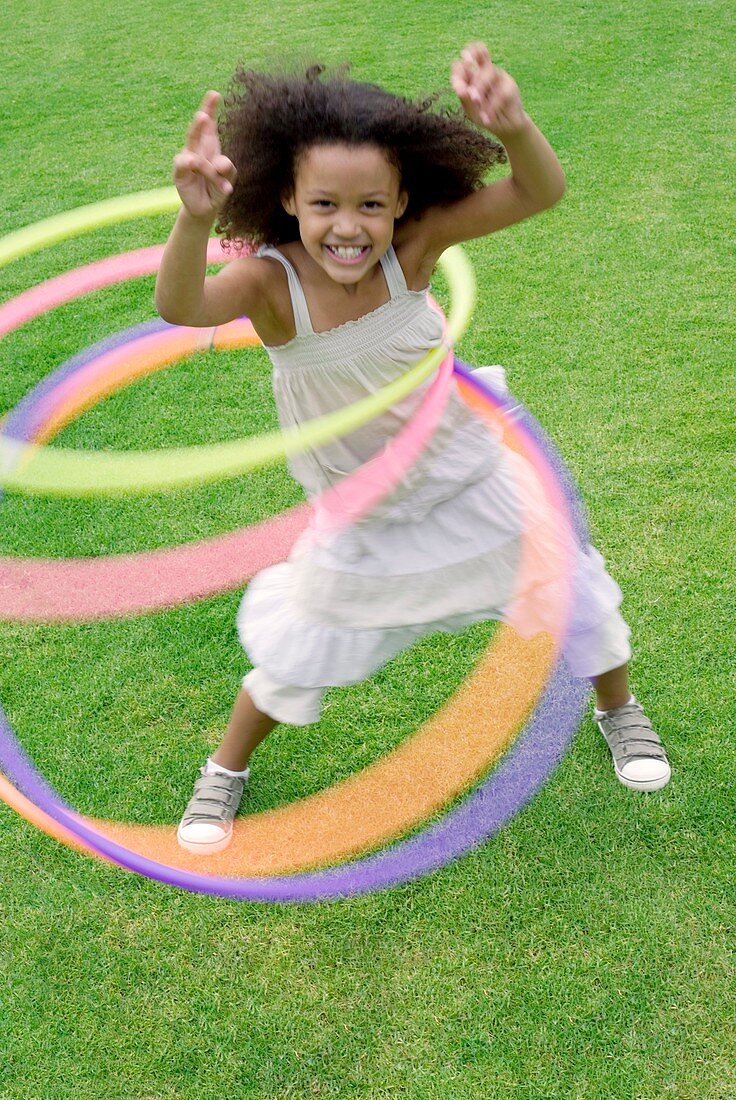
(645, 774)
(203, 838)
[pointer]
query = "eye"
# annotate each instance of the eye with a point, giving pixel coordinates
(322, 203)
(373, 204)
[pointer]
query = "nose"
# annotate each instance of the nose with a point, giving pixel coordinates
(346, 226)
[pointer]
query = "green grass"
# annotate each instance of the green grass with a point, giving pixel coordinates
(587, 951)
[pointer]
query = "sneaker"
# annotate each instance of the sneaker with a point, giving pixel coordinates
(638, 754)
(207, 825)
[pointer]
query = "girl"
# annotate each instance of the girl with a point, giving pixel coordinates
(352, 195)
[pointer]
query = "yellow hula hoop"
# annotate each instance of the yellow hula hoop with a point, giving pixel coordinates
(56, 471)
(72, 223)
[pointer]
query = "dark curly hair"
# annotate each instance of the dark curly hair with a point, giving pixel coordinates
(269, 120)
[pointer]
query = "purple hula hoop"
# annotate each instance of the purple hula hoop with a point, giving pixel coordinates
(524, 769)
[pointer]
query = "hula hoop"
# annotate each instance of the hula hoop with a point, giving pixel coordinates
(56, 405)
(83, 280)
(31, 417)
(458, 832)
(32, 238)
(61, 472)
(49, 590)
(510, 786)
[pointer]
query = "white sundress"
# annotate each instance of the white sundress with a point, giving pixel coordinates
(439, 553)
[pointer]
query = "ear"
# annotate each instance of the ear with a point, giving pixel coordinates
(402, 203)
(287, 201)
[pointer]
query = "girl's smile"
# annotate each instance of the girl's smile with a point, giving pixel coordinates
(346, 199)
(348, 254)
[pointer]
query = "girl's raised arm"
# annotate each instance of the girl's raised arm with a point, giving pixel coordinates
(491, 99)
(204, 179)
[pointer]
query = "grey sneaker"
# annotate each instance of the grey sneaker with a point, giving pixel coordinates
(638, 754)
(207, 825)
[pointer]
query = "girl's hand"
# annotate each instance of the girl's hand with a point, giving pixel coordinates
(204, 177)
(490, 97)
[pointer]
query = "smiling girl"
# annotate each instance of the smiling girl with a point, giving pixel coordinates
(350, 195)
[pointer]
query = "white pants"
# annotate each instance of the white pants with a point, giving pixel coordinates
(589, 653)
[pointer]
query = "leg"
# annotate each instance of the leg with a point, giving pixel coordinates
(598, 649)
(639, 758)
(247, 727)
(207, 824)
(612, 688)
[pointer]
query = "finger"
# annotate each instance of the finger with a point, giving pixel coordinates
(203, 138)
(468, 76)
(225, 168)
(183, 164)
(195, 133)
(188, 165)
(485, 73)
(459, 80)
(204, 122)
(487, 83)
(191, 163)
(478, 53)
(479, 80)
(467, 95)
(210, 103)
(463, 69)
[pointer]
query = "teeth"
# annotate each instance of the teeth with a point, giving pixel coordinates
(346, 253)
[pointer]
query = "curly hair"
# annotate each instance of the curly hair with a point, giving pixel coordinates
(268, 121)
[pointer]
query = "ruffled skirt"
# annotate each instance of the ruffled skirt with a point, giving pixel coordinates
(340, 608)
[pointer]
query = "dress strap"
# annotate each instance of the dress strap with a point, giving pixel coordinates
(302, 320)
(393, 274)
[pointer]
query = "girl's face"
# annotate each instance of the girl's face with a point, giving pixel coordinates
(346, 198)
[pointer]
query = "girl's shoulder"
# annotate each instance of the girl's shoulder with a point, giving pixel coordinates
(259, 289)
(245, 286)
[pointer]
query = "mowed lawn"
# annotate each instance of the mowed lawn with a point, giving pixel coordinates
(587, 951)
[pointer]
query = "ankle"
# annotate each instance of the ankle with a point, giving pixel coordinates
(213, 767)
(605, 703)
